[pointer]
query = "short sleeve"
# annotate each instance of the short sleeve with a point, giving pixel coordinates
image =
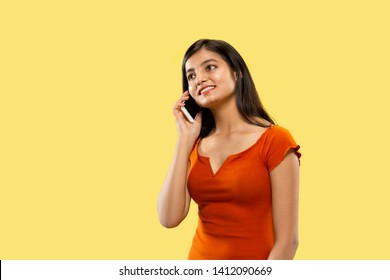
(279, 142)
(194, 153)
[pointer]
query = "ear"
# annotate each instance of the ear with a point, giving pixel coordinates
(239, 76)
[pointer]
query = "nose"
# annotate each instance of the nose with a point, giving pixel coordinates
(201, 77)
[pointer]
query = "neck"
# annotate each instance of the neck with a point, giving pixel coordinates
(227, 118)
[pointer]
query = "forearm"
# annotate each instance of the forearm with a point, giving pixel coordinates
(284, 250)
(172, 200)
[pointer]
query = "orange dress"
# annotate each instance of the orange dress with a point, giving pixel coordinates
(234, 204)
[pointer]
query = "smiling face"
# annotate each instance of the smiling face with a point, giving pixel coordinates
(210, 79)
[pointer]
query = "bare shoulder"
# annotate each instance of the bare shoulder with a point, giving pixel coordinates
(257, 129)
(263, 121)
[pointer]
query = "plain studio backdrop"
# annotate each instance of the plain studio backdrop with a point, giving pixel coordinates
(87, 132)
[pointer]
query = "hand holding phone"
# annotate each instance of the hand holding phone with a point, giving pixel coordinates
(190, 109)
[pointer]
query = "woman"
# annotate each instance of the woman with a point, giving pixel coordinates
(239, 167)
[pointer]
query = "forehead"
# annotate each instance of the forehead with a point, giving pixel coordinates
(200, 56)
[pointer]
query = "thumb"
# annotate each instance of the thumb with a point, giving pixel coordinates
(198, 117)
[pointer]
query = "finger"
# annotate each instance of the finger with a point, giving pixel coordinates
(183, 98)
(178, 105)
(198, 117)
(180, 119)
(178, 113)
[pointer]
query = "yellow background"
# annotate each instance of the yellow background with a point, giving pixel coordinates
(87, 132)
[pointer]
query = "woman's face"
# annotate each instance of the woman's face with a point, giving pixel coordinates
(210, 79)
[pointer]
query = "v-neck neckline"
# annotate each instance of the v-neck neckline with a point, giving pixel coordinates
(215, 173)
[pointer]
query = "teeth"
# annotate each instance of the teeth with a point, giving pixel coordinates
(206, 89)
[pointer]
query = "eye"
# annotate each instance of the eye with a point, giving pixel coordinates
(211, 67)
(190, 77)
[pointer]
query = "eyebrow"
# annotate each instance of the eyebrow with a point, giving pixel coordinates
(204, 62)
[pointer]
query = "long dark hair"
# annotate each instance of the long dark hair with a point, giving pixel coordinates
(247, 98)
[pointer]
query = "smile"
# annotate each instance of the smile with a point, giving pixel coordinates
(206, 90)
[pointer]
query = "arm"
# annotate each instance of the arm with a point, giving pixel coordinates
(284, 185)
(174, 200)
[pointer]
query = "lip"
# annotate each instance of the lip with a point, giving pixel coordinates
(206, 86)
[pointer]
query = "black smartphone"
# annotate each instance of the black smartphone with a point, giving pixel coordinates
(190, 109)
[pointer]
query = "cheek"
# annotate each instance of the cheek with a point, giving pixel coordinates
(217, 76)
(225, 79)
(191, 88)
(223, 76)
